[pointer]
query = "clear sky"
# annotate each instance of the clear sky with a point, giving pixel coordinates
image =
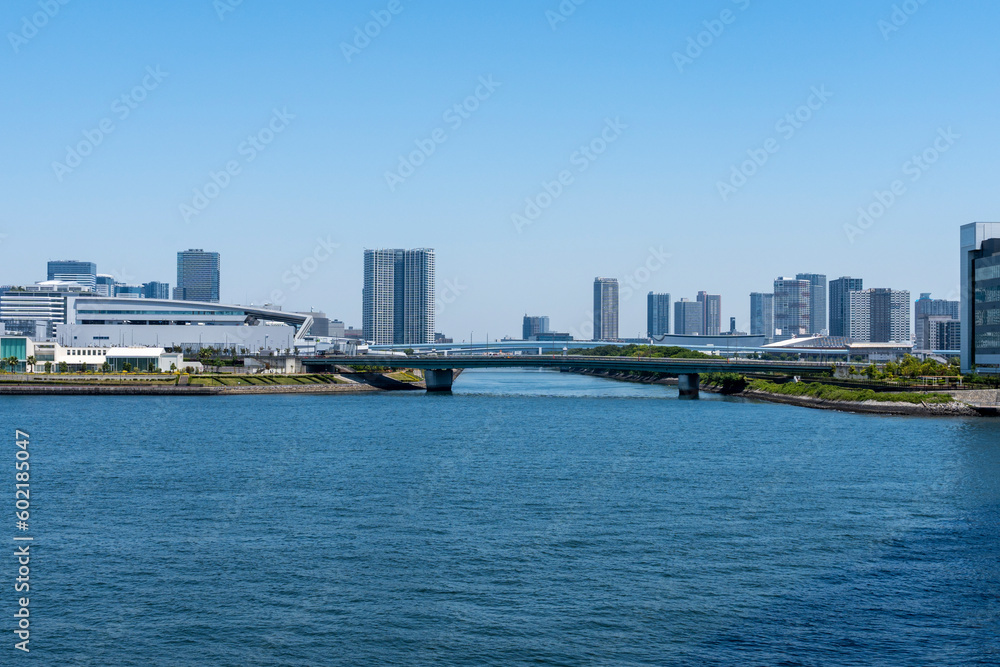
(328, 123)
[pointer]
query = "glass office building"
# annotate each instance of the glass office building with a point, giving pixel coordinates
(657, 314)
(840, 304)
(197, 276)
(762, 314)
(817, 301)
(82, 273)
(980, 310)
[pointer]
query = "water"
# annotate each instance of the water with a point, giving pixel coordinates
(531, 517)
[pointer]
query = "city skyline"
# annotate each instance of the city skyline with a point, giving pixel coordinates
(709, 305)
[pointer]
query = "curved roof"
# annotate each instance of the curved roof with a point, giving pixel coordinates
(301, 321)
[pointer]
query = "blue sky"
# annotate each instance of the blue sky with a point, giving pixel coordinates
(647, 209)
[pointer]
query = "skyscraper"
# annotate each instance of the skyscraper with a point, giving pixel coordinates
(689, 318)
(840, 304)
(762, 314)
(605, 309)
(817, 301)
(657, 314)
(197, 276)
(925, 307)
(711, 313)
(791, 307)
(980, 312)
(879, 315)
(82, 273)
(398, 296)
(534, 325)
(155, 290)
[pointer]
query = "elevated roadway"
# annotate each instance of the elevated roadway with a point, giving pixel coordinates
(439, 371)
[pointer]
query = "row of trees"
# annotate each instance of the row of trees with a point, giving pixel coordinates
(633, 350)
(908, 367)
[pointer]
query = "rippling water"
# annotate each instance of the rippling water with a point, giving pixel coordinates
(531, 517)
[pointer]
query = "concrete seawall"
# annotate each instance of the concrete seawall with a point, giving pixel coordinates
(40, 389)
(97, 390)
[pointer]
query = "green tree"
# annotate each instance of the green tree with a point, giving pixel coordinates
(105, 367)
(151, 366)
(127, 367)
(63, 367)
(48, 366)
(30, 361)
(83, 367)
(173, 368)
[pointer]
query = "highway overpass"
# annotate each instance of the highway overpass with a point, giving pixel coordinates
(439, 371)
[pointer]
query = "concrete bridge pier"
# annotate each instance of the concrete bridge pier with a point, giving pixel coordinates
(439, 379)
(687, 384)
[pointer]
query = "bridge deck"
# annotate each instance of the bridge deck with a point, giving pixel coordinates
(656, 365)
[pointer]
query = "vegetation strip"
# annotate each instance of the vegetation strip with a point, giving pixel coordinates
(734, 383)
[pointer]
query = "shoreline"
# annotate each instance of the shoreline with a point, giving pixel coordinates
(139, 390)
(957, 408)
(151, 386)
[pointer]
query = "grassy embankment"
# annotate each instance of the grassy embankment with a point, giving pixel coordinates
(78, 378)
(262, 380)
(733, 383)
(403, 376)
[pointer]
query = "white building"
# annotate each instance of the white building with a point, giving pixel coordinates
(108, 322)
(879, 315)
(35, 310)
(149, 359)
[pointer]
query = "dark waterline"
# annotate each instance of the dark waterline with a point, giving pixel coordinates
(531, 517)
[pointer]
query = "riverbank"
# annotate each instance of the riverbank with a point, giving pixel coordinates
(956, 408)
(968, 403)
(211, 385)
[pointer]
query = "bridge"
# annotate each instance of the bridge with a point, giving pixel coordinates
(439, 372)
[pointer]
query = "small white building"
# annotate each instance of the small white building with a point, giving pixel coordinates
(93, 358)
